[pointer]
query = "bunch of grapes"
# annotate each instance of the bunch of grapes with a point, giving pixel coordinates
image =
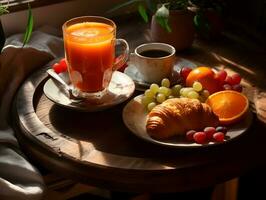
(208, 134)
(158, 94)
(229, 82)
(195, 92)
(60, 67)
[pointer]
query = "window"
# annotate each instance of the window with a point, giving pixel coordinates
(16, 5)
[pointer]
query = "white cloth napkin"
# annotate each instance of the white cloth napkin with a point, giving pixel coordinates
(18, 178)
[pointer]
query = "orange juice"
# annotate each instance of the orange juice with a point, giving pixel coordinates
(90, 53)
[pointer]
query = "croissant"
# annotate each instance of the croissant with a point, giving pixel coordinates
(178, 115)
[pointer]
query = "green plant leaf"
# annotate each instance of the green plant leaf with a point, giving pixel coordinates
(143, 13)
(196, 20)
(3, 9)
(162, 12)
(29, 28)
(168, 28)
(164, 23)
(127, 3)
(202, 24)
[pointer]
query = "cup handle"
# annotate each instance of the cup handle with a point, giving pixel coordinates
(132, 57)
(121, 59)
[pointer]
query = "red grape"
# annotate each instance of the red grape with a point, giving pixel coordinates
(60, 67)
(175, 77)
(221, 75)
(189, 135)
(200, 137)
(57, 68)
(229, 80)
(209, 132)
(123, 67)
(237, 87)
(227, 87)
(63, 64)
(184, 72)
(218, 136)
(236, 79)
(222, 129)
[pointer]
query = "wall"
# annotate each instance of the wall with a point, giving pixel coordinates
(253, 14)
(55, 15)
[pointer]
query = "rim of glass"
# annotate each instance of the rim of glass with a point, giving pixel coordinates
(111, 22)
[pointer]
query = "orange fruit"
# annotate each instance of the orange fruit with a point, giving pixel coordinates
(230, 106)
(206, 77)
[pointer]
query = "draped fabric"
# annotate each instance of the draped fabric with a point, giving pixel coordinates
(18, 178)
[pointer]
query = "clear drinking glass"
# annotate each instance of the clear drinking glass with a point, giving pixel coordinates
(90, 43)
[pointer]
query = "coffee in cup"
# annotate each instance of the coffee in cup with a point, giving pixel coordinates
(154, 61)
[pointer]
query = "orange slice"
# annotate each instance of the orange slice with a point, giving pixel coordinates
(230, 106)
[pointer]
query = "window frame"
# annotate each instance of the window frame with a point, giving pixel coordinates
(18, 5)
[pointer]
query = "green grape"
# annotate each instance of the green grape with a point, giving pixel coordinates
(146, 100)
(205, 94)
(202, 99)
(149, 93)
(160, 98)
(165, 82)
(186, 91)
(197, 86)
(181, 91)
(170, 97)
(169, 92)
(176, 89)
(154, 88)
(164, 90)
(151, 106)
(193, 95)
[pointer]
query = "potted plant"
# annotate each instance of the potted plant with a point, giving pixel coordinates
(208, 19)
(29, 28)
(174, 21)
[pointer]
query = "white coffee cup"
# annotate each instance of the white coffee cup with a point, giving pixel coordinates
(154, 61)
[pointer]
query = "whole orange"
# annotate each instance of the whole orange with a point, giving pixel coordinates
(206, 77)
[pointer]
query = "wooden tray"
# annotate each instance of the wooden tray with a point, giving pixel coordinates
(98, 149)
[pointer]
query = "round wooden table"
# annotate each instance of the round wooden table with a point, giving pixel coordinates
(96, 148)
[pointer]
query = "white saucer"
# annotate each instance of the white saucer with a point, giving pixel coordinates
(136, 76)
(142, 85)
(120, 89)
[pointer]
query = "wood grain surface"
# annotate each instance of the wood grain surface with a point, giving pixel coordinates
(98, 149)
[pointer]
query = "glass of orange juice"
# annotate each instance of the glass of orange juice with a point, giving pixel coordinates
(90, 43)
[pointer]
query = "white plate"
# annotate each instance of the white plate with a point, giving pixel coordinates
(135, 116)
(120, 89)
(142, 85)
